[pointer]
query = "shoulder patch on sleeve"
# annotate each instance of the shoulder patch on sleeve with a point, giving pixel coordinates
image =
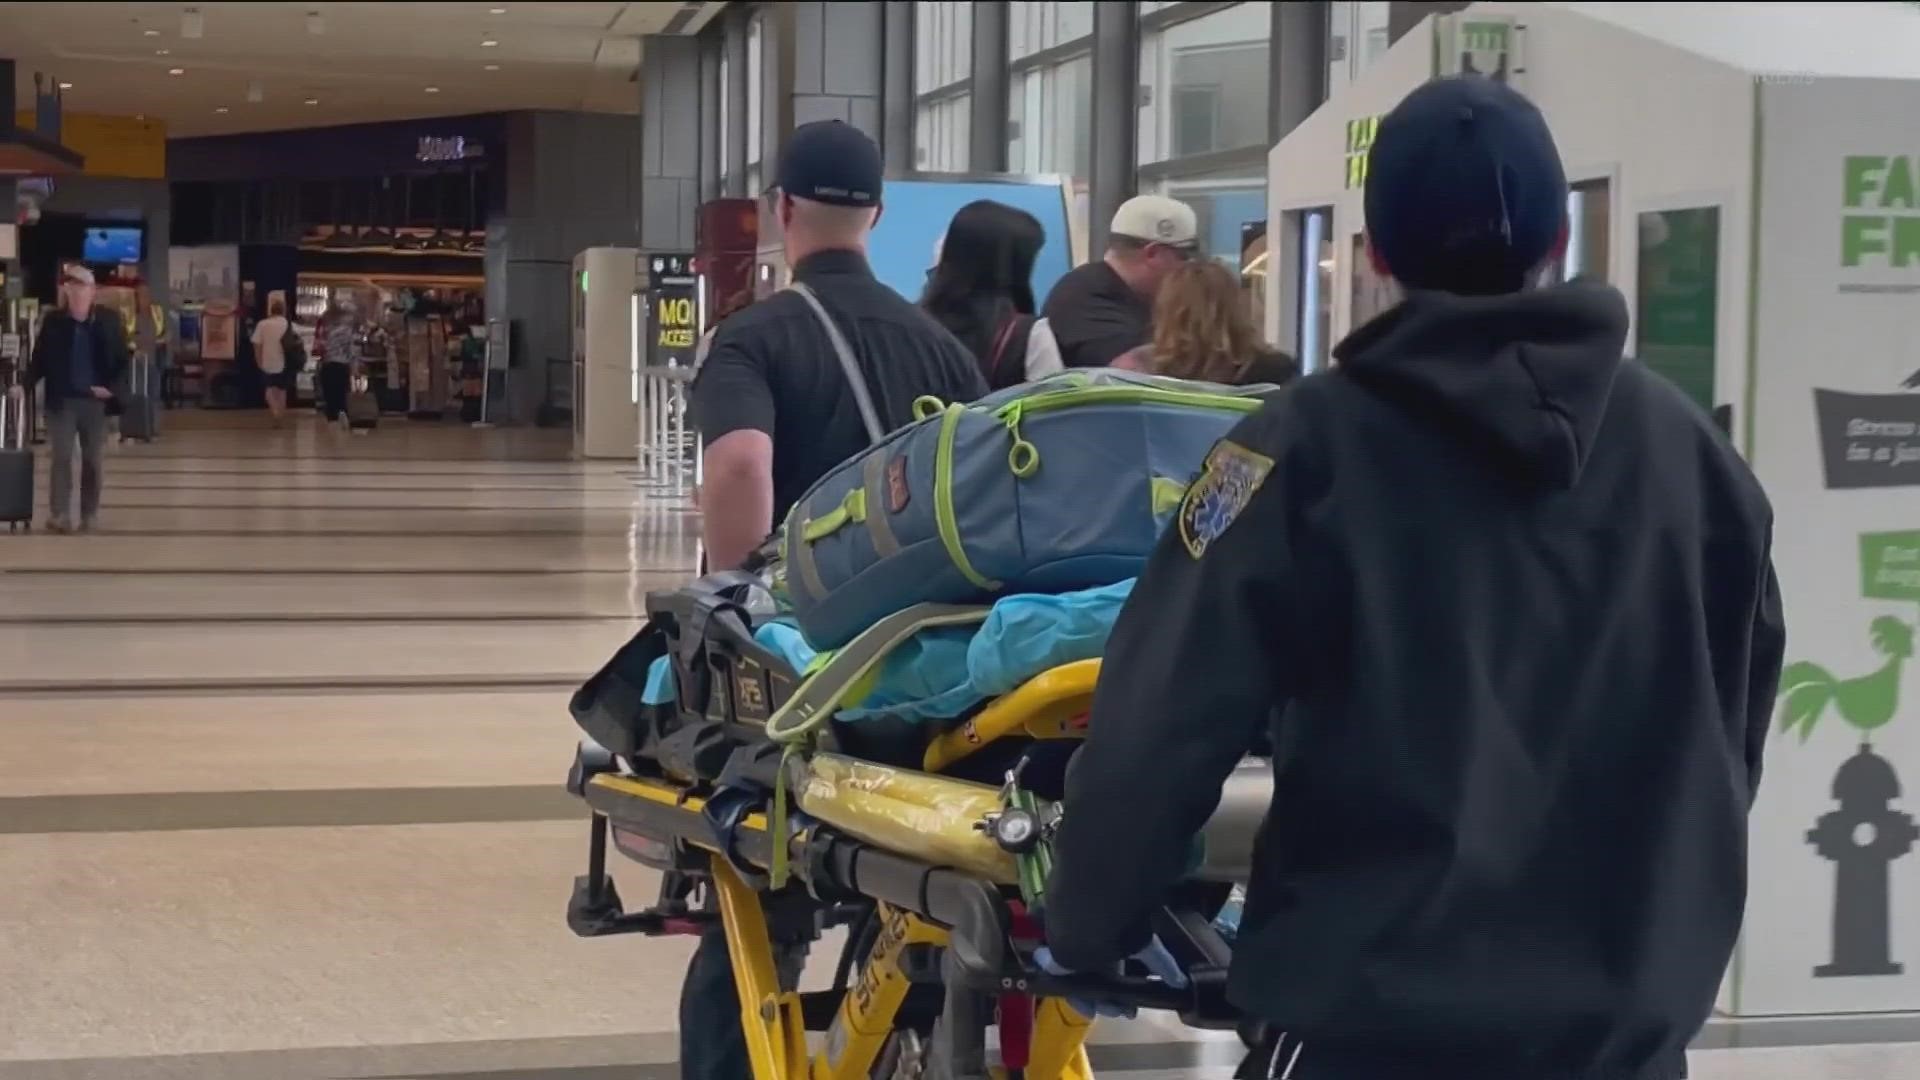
(1227, 483)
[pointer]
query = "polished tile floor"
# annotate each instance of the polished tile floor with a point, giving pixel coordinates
(280, 755)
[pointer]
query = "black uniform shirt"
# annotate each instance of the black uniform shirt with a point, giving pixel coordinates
(772, 368)
(1096, 316)
(1516, 601)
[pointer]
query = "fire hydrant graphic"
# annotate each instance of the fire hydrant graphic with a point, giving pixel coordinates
(1862, 839)
(1866, 834)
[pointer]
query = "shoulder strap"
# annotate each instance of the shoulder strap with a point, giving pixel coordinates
(999, 354)
(857, 381)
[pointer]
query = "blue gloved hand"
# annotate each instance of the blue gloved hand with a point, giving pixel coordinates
(1154, 957)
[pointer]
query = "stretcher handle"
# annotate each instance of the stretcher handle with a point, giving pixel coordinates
(1140, 993)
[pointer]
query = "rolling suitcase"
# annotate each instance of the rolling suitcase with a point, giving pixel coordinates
(139, 419)
(363, 409)
(16, 464)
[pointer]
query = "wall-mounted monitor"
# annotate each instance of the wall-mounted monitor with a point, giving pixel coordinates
(112, 244)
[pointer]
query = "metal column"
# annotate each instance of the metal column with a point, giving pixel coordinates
(896, 86)
(1116, 125)
(1297, 79)
(987, 129)
(733, 159)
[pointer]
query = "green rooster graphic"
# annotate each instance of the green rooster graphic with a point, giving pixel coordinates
(1866, 703)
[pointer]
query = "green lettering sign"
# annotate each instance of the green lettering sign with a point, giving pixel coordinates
(1897, 193)
(1890, 566)
(1862, 235)
(1906, 241)
(1484, 36)
(1863, 176)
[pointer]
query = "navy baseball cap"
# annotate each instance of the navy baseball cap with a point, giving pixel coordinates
(1465, 191)
(831, 162)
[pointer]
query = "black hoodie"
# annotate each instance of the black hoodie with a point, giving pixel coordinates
(1511, 601)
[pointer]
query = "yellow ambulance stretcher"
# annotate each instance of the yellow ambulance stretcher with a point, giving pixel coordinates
(931, 848)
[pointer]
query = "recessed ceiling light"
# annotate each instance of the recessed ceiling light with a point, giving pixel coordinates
(488, 43)
(163, 52)
(493, 67)
(313, 101)
(176, 71)
(66, 86)
(497, 11)
(151, 33)
(222, 110)
(433, 89)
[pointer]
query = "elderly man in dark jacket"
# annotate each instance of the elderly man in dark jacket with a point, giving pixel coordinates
(81, 353)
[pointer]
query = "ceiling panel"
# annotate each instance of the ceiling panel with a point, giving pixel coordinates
(369, 61)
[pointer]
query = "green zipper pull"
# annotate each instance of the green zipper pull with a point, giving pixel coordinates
(926, 405)
(1024, 457)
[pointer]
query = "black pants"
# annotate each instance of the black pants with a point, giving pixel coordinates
(335, 381)
(713, 1045)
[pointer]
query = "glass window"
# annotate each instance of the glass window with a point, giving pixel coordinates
(1033, 25)
(1679, 296)
(942, 44)
(756, 83)
(1589, 223)
(1356, 37)
(1205, 84)
(726, 122)
(1049, 130)
(940, 134)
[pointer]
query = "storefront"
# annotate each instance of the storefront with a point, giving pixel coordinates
(385, 222)
(1767, 237)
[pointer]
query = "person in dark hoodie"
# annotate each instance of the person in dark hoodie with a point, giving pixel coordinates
(1506, 604)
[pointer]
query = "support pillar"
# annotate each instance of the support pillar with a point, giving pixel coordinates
(1116, 125)
(670, 142)
(734, 154)
(896, 87)
(830, 57)
(1297, 79)
(987, 127)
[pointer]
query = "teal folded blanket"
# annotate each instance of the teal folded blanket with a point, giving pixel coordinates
(943, 672)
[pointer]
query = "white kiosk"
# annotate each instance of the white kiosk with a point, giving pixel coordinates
(1748, 175)
(606, 354)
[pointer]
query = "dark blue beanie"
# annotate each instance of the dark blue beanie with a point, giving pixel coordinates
(1465, 191)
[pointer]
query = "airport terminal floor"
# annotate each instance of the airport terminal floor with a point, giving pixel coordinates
(281, 795)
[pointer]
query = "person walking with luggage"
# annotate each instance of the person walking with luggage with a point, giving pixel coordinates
(81, 352)
(981, 289)
(338, 340)
(270, 352)
(1506, 603)
(1202, 330)
(788, 391)
(1104, 309)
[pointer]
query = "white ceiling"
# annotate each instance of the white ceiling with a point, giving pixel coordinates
(373, 61)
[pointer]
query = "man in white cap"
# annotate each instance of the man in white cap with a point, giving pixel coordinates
(81, 352)
(1104, 309)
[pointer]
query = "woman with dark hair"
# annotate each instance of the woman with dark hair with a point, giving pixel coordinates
(1201, 330)
(981, 289)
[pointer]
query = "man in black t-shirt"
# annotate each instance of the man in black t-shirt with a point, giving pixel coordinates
(772, 400)
(776, 411)
(1103, 310)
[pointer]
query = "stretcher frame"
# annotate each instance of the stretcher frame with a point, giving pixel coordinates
(963, 938)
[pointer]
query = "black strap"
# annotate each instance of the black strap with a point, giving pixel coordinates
(1009, 363)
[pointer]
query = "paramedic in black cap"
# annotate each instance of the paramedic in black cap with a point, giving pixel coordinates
(776, 411)
(1507, 605)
